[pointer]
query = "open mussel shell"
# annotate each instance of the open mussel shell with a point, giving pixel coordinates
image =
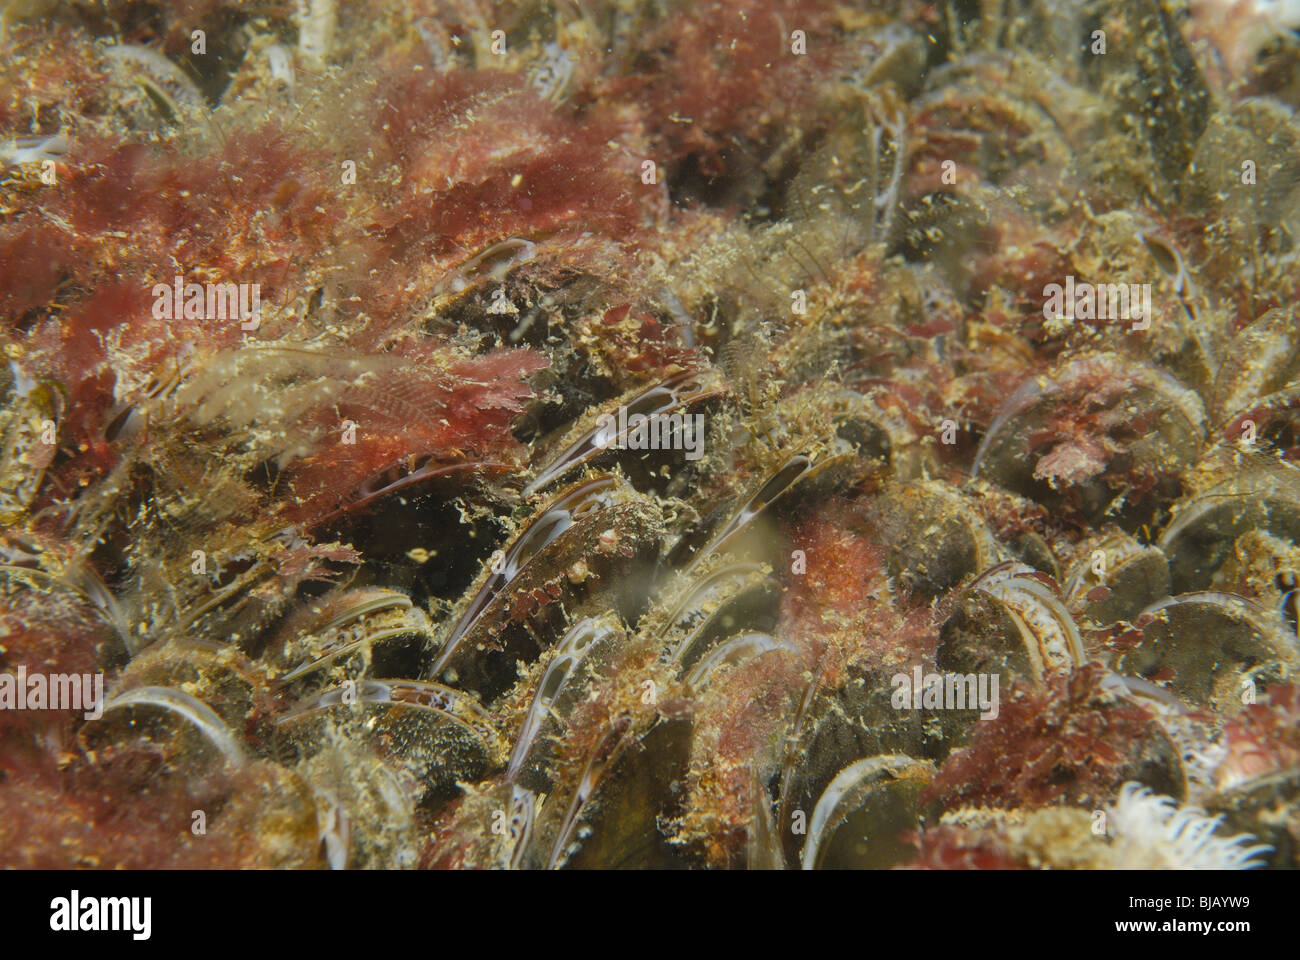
(863, 817)
(1174, 760)
(517, 837)
(365, 806)
(648, 426)
(188, 735)
(219, 675)
(1115, 578)
(27, 405)
(743, 523)
(935, 538)
(371, 629)
(746, 529)
(734, 527)
(558, 565)
(521, 819)
(1265, 807)
(490, 828)
(733, 597)
(439, 734)
(1261, 359)
(763, 847)
(857, 719)
(1274, 421)
(1209, 647)
(733, 654)
(1012, 621)
(389, 491)
(1200, 537)
(608, 816)
(1155, 424)
(563, 681)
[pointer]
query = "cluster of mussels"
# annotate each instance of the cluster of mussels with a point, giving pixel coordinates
(735, 433)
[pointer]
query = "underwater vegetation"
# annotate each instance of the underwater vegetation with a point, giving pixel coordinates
(761, 434)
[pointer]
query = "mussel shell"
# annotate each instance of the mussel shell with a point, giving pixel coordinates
(731, 598)
(742, 522)
(1276, 422)
(1132, 577)
(354, 632)
(1206, 646)
(1265, 807)
(191, 737)
(1157, 81)
(589, 444)
(1010, 621)
(733, 654)
(1265, 130)
(439, 734)
(749, 531)
(569, 667)
(857, 720)
(23, 454)
(366, 806)
(1011, 131)
(862, 818)
(935, 538)
(882, 439)
(600, 527)
(1204, 527)
(491, 829)
(1261, 359)
(221, 677)
(609, 818)
(1161, 423)
(763, 841)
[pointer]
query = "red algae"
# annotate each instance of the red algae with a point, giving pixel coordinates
(744, 434)
(1072, 743)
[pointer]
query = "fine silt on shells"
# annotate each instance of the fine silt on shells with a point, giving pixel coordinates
(646, 454)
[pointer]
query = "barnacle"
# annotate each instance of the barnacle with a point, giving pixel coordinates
(767, 434)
